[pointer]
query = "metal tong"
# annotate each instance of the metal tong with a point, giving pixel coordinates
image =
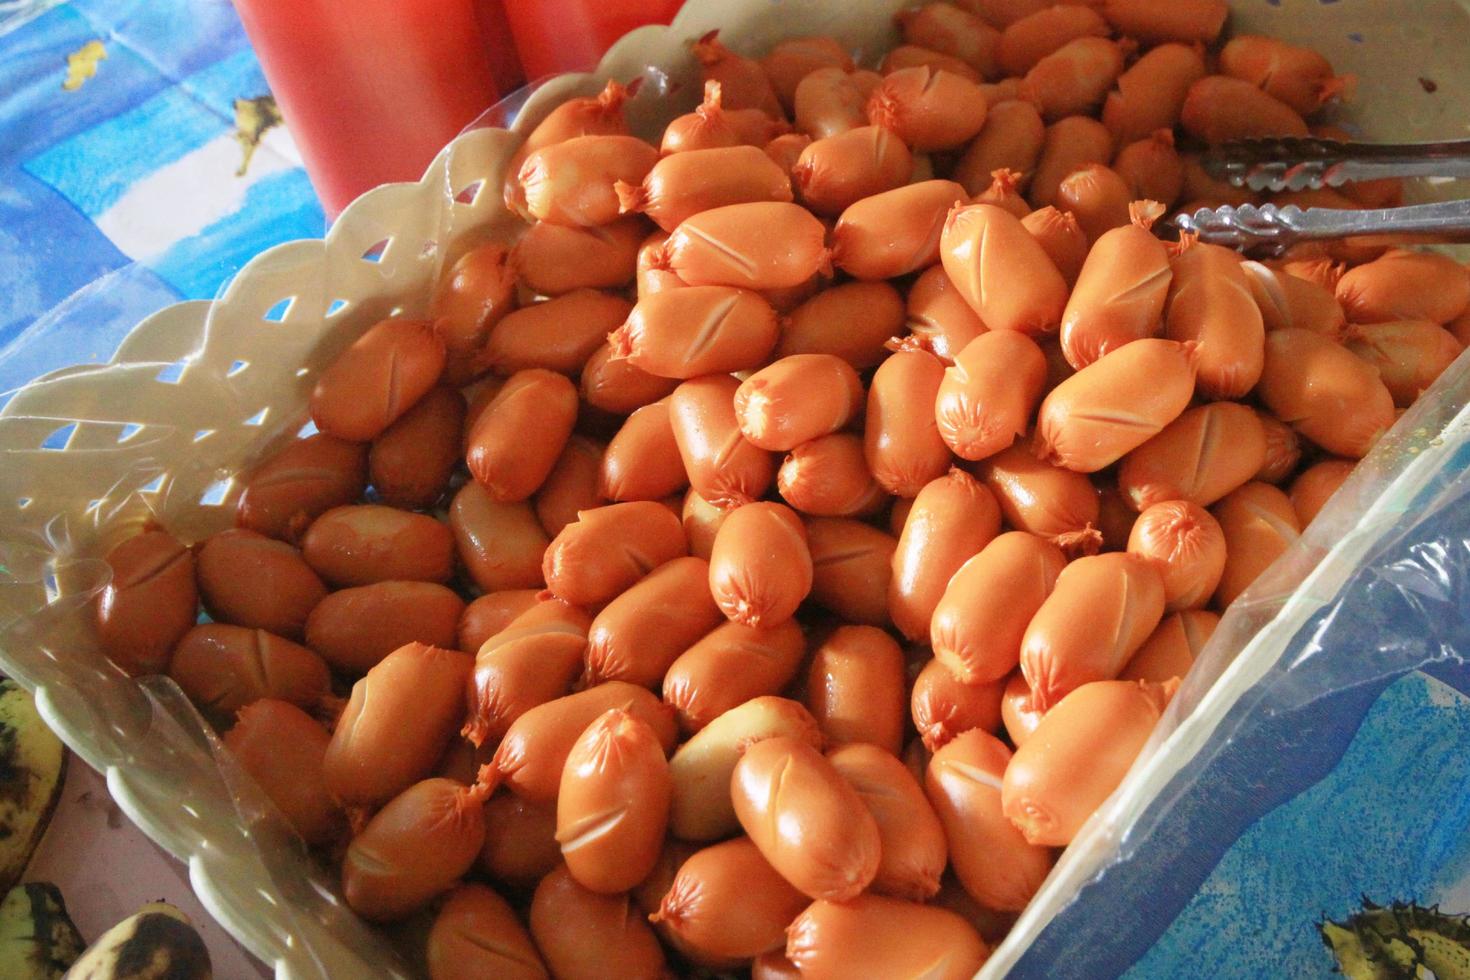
(1293, 163)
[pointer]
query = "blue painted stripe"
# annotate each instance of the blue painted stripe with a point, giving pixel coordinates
(220, 84)
(178, 37)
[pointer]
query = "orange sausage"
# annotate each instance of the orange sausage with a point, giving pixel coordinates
(1115, 517)
(1011, 139)
(758, 245)
(532, 661)
(470, 299)
(554, 259)
(1099, 614)
(1004, 192)
(642, 461)
(760, 569)
(1219, 108)
(307, 478)
(1260, 523)
(650, 276)
(585, 936)
(150, 603)
(1408, 354)
(400, 717)
(883, 937)
(1187, 548)
(728, 667)
(607, 549)
(1283, 449)
(1016, 710)
(807, 821)
(950, 30)
(991, 858)
(939, 315)
(853, 320)
(1200, 457)
(895, 232)
(365, 543)
(913, 849)
(723, 467)
(901, 439)
(245, 579)
(476, 934)
(532, 755)
(582, 116)
(855, 688)
(708, 127)
(353, 629)
(1074, 78)
(913, 56)
(795, 58)
(1183, 20)
(1115, 404)
(728, 903)
(1061, 238)
(1098, 197)
(571, 486)
(745, 83)
(830, 100)
(1151, 168)
(488, 615)
(786, 149)
(1315, 485)
(1150, 94)
(559, 335)
(1298, 76)
(499, 545)
(1405, 285)
(573, 182)
(640, 633)
(1067, 146)
(520, 841)
(1048, 501)
(942, 706)
(685, 333)
(829, 477)
(929, 109)
(1286, 300)
(515, 443)
(615, 385)
(702, 521)
(953, 518)
(982, 246)
(281, 747)
(373, 382)
(1173, 647)
(223, 668)
(1210, 303)
(851, 564)
(411, 462)
(797, 398)
(1325, 392)
(1028, 40)
(838, 171)
(684, 184)
(1120, 292)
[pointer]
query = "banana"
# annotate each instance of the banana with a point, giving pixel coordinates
(37, 939)
(157, 943)
(32, 764)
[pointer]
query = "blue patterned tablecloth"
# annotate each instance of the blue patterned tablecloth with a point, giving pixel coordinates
(121, 181)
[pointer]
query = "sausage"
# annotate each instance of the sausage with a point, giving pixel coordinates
(685, 333)
(728, 667)
(245, 579)
(894, 232)
(1409, 354)
(1028, 40)
(1283, 449)
(1004, 192)
(1151, 168)
(1200, 457)
(807, 821)
(560, 334)
(684, 184)
(940, 316)
(942, 706)
(727, 903)
(1405, 285)
(991, 858)
(281, 747)
(852, 320)
(836, 172)
(486, 616)
(929, 109)
(1067, 146)
(514, 444)
(901, 439)
(411, 462)
(1016, 710)
(795, 58)
(1210, 303)
(953, 518)
(1150, 95)
(709, 127)
(796, 399)
(1048, 501)
(151, 601)
(913, 848)
(1325, 392)
(760, 569)
(913, 56)
(855, 688)
(830, 100)
(614, 384)
(744, 82)
(476, 933)
(1184, 21)
(1203, 191)
(1074, 78)
(1315, 485)
(1100, 199)
(571, 486)
(469, 300)
(757, 245)
(573, 182)
(398, 720)
(786, 149)
(520, 841)
(650, 276)
(1120, 292)
(307, 478)
(1078, 755)
(532, 661)
(1011, 139)
(607, 549)
(877, 936)
(554, 259)
(1115, 404)
(1115, 517)
(499, 545)
(1187, 548)
(1172, 648)
(828, 477)
(582, 116)
(1219, 108)
(1286, 300)
(586, 936)
(851, 564)
(723, 466)
(354, 629)
(702, 521)
(640, 633)
(1061, 238)
(1260, 523)
(1298, 76)
(1035, 293)
(642, 461)
(365, 543)
(953, 31)
(374, 381)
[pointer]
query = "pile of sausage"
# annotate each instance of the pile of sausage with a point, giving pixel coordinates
(843, 484)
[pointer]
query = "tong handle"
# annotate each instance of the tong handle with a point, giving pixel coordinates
(1277, 228)
(1298, 163)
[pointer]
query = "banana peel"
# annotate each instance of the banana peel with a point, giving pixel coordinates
(156, 943)
(38, 940)
(32, 767)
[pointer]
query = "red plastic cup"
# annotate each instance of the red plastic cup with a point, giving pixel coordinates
(554, 36)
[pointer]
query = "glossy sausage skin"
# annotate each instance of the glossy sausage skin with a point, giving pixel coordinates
(1259, 524)
(729, 666)
(852, 320)
(491, 613)
(1184, 21)
(520, 840)
(684, 184)
(1187, 548)
(1409, 354)
(1074, 78)
(573, 182)
(586, 936)
(1011, 139)
(469, 300)
(612, 384)
(758, 245)
(354, 629)
(500, 546)
(1325, 392)
(836, 172)
(1211, 303)
(685, 333)
(556, 259)
(1062, 239)
(951, 30)
(1172, 648)
(1035, 295)
(307, 478)
(381, 376)
(760, 568)
(988, 396)
(796, 399)
(829, 101)
(1067, 146)
(365, 543)
(942, 706)
(1150, 95)
(571, 486)
(514, 444)
(1219, 108)
(250, 580)
(901, 437)
(150, 604)
(1199, 457)
(939, 316)
(929, 109)
(476, 934)
(411, 462)
(1404, 285)
(1315, 485)
(851, 568)
(1028, 40)
(829, 477)
(887, 937)
(607, 549)
(1017, 711)
(952, 519)
(855, 688)
(223, 668)
(559, 334)
(1046, 500)
(723, 466)
(640, 633)
(532, 661)
(913, 847)
(282, 747)
(895, 232)
(1120, 292)
(1298, 76)
(1283, 449)
(642, 460)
